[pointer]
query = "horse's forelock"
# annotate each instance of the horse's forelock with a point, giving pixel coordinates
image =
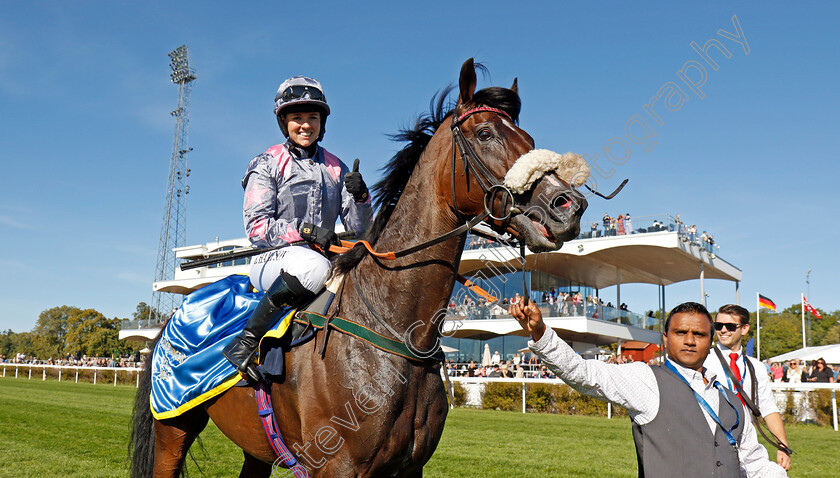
(501, 98)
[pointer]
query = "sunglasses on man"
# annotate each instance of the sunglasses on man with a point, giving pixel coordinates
(729, 326)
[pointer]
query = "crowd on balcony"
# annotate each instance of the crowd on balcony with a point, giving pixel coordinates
(556, 304)
(480, 243)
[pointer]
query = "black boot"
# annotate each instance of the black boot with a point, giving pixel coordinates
(286, 290)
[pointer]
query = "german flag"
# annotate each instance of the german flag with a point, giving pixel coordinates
(765, 302)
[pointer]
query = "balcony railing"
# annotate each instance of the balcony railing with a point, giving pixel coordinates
(563, 309)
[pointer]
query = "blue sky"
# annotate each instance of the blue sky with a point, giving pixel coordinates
(86, 132)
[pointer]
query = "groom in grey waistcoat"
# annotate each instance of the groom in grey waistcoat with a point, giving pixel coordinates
(684, 419)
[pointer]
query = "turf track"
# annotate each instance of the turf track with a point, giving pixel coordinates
(52, 429)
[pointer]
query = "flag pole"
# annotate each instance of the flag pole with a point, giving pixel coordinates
(757, 327)
(802, 296)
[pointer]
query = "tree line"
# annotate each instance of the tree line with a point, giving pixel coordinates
(72, 331)
(781, 332)
(67, 330)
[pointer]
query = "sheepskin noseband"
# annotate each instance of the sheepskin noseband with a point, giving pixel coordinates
(531, 166)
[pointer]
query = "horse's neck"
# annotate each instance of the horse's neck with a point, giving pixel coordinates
(417, 286)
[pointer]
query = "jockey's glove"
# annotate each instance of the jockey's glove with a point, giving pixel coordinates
(355, 185)
(319, 235)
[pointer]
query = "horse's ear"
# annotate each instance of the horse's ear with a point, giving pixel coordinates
(467, 82)
(515, 86)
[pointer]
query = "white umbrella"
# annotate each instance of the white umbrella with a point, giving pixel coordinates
(485, 358)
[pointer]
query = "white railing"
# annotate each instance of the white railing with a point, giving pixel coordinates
(27, 368)
(801, 387)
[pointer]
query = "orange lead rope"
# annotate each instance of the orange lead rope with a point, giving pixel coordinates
(478, 290)
(347, 245)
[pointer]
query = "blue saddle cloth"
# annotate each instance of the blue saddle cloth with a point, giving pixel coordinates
(187, 364)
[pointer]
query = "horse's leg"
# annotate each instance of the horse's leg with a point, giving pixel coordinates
(173, 438)
(255, 468)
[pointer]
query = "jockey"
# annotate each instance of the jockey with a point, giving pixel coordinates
(294, 191)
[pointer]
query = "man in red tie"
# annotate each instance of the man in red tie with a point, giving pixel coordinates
(732, 323)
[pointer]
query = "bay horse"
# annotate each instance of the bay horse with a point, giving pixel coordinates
(357, 411)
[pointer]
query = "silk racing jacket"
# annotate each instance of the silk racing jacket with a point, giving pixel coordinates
(284, 189)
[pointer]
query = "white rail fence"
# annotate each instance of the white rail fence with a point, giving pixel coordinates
(474, 387)
(42, 369)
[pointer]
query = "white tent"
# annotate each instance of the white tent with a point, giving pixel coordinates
(831, 354)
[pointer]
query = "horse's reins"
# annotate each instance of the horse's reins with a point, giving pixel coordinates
(486, 180)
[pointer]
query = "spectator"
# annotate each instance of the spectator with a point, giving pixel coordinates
(505, 371)
(594, 231)
(496, 359)
(732, 323)
(796, 373)
(567, 304)
(776, 371)
(628, 224)
(821, 373)
(606, 222)
(619, 225)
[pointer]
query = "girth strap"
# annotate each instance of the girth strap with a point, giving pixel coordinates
(266, 412)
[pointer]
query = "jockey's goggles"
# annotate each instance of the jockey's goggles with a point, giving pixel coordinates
(298, 92)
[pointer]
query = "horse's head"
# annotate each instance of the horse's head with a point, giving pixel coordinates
(494, 168)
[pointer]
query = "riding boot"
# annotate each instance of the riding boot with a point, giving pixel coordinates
(285, 291)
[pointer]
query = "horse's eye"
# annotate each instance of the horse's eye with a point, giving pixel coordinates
(484, 134)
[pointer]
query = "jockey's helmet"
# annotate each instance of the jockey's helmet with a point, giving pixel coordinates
(301, 93)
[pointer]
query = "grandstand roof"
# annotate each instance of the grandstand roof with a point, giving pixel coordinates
(661, 258)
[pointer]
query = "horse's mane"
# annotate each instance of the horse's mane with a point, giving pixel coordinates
(397, 172)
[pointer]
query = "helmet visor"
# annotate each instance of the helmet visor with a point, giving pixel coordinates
(298, 92)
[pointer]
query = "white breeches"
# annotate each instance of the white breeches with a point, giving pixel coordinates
(309, 267)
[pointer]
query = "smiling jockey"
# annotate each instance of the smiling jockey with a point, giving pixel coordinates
(294, 191)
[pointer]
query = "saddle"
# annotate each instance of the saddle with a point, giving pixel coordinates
(277, 342)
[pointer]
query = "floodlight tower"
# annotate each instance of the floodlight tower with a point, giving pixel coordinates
(173, 227)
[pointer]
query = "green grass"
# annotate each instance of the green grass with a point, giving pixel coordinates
(70, 429)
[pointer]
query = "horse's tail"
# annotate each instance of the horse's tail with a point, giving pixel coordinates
(141, 447)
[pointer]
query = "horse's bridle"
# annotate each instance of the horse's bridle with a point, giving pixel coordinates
(489, 183)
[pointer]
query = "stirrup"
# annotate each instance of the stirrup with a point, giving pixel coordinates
(250, 373)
